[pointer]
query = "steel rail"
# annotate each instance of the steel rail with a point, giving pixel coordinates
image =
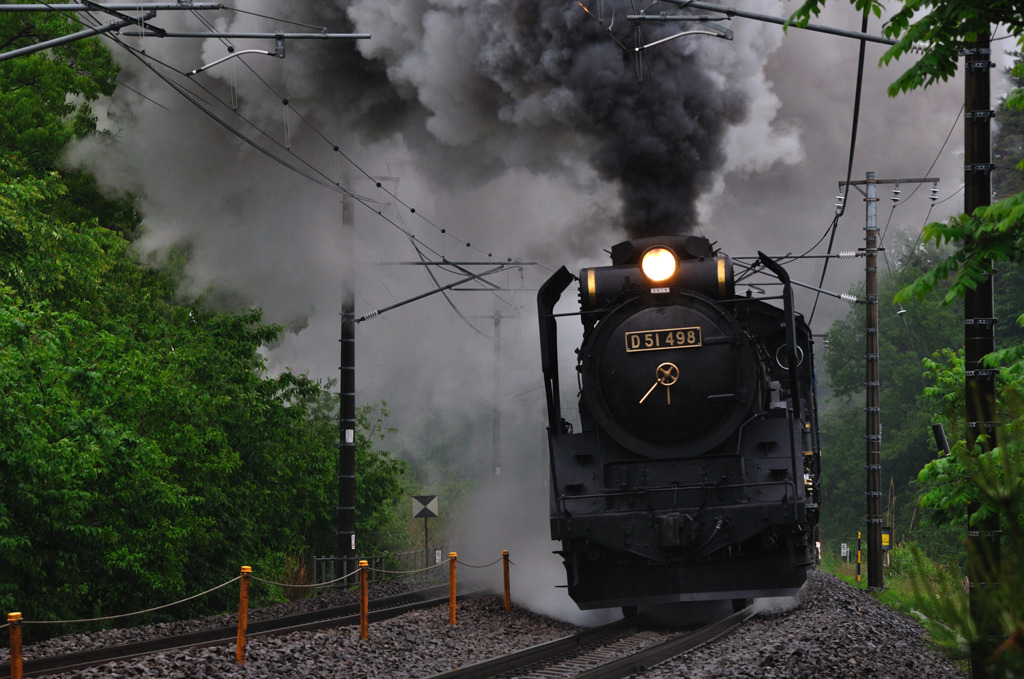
(584, 641)
(542, 653)
(336, 616)
(655, 655)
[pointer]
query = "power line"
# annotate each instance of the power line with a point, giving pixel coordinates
(841, 208)
(321, 179)
(314, 174)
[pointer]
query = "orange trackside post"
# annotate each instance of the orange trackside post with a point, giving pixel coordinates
(504, 570)
(243, 614)
(14, 621)
(364, 602)
(451, 586)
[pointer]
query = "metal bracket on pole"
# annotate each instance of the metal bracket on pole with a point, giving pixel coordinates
(730, 12)
(72, 37)
(146, 30)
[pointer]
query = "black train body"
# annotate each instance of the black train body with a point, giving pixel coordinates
(695, 475)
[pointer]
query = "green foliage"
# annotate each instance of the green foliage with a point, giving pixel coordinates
(45, 97)
(988, 482)
(938, 30)
(381, 492)
(144, 454)
(994, 233)
(906, 335)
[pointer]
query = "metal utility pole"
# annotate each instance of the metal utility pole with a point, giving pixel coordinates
(983, 548)
(496, 406)
(872, 382)
(347, 394)
(876, 579)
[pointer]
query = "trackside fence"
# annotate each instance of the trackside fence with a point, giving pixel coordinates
(328, 569)
(361, 578)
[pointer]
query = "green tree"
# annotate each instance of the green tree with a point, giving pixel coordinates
(987, 474)
(144, 453)
(46, 101)
(62, 82)
(381, 489)
(907, 334)
(936, 31)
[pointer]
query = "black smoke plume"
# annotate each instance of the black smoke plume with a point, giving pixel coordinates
(475, 88)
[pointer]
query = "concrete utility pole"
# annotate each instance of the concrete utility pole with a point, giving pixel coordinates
(347, 393)
(872, 383)
(983, 548)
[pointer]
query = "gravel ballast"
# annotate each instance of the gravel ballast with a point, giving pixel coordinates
(830, 630)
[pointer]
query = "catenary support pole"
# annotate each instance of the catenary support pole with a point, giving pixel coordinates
(496, 405)
(347, 393)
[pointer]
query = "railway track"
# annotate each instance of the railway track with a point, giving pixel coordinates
(338, 616)
(609, 652)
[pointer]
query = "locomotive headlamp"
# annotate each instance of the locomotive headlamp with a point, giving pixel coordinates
(658, 264)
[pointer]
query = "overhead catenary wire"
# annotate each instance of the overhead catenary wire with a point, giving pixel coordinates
(898, 279)
(378, 184)
(841, 209)
(838, 295)
(444, 293)
(322, 180)
(314, 174)
(934, 200)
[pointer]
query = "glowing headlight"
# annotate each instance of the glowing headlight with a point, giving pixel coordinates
(658, 264)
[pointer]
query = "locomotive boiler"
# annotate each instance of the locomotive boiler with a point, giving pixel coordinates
(694, 475)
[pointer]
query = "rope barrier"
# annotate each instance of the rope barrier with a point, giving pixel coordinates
(319, 584)
(451, 563)
(128, 615)
(484, 566)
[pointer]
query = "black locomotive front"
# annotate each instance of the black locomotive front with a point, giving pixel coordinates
(695, 473)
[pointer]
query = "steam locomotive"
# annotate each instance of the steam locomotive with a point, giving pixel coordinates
(695, 473)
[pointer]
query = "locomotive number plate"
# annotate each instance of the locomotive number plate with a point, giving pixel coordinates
(670, 338)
